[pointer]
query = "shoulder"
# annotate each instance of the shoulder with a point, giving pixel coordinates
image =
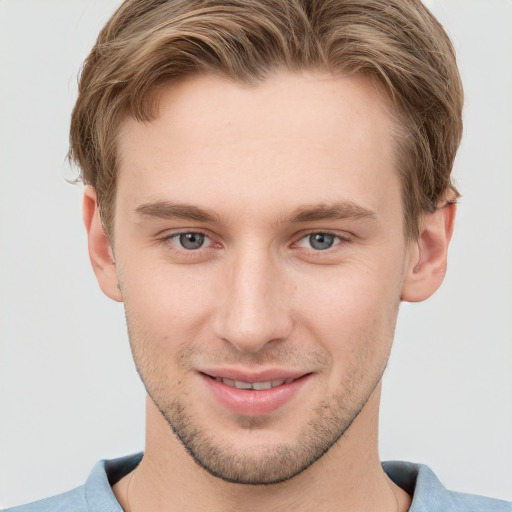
(429, 494)
(71, 501)
(94, 496)
(472, 503)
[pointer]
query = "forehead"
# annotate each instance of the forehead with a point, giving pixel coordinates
(293, 139)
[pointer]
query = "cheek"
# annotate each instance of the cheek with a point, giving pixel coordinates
(353, 309)
(165, 305)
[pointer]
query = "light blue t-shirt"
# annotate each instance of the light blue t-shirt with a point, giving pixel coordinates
(418, 480)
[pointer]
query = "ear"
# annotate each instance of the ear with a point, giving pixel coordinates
(427, 258)
(100, 251)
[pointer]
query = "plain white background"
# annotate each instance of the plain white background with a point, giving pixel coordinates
(69, 394)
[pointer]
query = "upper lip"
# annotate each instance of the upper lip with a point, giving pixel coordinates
(236, 374)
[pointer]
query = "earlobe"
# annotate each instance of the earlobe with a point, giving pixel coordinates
(100, 250)
(427, 258)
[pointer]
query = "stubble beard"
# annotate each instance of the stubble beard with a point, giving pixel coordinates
(272, 464)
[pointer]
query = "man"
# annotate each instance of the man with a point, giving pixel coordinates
(266, 182)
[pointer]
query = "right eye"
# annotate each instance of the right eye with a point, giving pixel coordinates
(189, 241)
(321, 241)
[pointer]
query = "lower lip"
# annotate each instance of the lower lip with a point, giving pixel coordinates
(249, 402)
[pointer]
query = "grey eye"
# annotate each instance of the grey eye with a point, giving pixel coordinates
(321, 241)
(191, 241)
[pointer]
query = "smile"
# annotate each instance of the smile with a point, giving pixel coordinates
(257, 386)
(254, 395)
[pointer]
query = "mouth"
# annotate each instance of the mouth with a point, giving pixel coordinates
(257, 386)
(254, 394)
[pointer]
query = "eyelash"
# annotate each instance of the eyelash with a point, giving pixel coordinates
(338, 240)
(168, 241)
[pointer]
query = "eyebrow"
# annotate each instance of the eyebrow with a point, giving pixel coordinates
(334, 211)
(168, 210)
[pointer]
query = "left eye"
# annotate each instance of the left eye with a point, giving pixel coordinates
(190, 241)
(319, 241)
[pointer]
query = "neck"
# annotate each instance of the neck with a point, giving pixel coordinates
(348, 477)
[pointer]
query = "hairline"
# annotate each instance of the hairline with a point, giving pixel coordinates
(153, 95)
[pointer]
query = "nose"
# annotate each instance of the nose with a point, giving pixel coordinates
(253, 310)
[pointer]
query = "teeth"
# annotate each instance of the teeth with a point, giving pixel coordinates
(254, 385)
(242, 385)
(262, 385)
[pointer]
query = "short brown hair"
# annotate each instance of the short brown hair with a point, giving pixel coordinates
(150, 43)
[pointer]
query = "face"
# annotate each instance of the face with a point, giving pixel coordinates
(260, 255)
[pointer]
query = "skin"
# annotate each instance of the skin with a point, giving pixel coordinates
(271, 165)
